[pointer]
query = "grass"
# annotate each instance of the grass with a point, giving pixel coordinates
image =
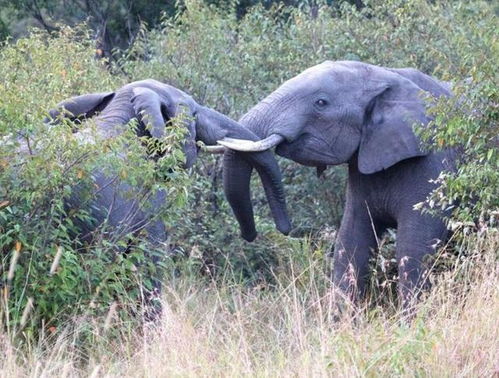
(213, 329)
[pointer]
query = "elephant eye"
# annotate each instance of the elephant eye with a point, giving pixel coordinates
(321, 102)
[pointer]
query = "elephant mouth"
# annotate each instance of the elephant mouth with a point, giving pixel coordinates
(308, 150)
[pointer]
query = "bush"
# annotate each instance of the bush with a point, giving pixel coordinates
(231, 64)
(47, 274)
(228, 64)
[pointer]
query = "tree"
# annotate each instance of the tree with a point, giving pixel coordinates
(115, 22)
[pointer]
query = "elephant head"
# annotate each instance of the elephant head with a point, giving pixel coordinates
(333, 113)
(154, 104)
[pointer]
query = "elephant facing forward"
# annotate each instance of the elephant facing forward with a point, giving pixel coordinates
(361, 115)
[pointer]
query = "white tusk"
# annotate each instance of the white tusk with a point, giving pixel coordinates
(213, 149)
(251, 146)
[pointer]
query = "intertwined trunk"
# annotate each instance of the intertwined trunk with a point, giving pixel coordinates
(238, 167)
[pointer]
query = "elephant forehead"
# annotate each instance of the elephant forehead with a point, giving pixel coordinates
(317, 74)
(304, 85)
(329, 76)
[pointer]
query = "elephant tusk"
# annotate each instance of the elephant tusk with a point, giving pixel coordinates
(213, 149)
(251, 146)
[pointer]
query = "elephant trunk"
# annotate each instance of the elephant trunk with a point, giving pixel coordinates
(237, 173)
(236, 178)
(238, 167)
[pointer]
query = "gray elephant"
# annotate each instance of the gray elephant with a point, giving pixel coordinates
(153, 103)
(116, 207)
(362, 115)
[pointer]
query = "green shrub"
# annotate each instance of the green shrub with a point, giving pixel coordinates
(228, 64)
(469, 124)
(46, 273)
(231, 64)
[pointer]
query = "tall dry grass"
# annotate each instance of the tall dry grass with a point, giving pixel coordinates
(289, 330)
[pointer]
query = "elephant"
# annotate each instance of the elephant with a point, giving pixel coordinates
(118, 207)
(154, 103)
(363, 115)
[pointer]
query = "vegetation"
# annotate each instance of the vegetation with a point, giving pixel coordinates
(224, 329)
(115, 23)
(231, 307)
(42, 261)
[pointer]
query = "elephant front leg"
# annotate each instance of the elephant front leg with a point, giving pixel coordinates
(354, 245)
(157, 238)
(417, 238)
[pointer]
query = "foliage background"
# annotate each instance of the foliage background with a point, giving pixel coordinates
(115, 23)
(228, 60)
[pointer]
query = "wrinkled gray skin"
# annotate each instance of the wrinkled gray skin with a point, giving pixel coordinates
(362, 115)
(153, 104)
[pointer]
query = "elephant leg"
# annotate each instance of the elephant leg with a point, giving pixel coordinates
(157, 237)
(417, 237)
(357, 238)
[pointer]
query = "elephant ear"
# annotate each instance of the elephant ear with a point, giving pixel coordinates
(156, 110)
(427, 83)
(80, 107)
(152, 110)
(388, 136)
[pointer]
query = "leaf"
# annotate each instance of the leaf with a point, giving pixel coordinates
(489, 155)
